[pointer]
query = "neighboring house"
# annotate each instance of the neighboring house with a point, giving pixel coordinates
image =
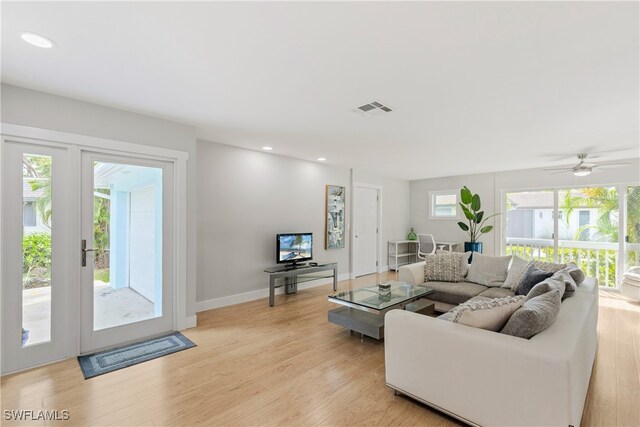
(31, 217)
(531, 217)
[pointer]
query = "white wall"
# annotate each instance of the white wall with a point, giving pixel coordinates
(490, 188)
(395, 207)
(46, 111)
(244, 199)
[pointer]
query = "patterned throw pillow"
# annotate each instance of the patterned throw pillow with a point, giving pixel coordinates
(491, 315)
(551, 267)
(464, 260)
(442, 268)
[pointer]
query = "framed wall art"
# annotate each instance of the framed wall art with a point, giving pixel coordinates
(335, 215)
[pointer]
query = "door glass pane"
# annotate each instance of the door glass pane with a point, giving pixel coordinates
(530, 224)
(588, 231)
(633, 227)
(128, 244)
(36, 249)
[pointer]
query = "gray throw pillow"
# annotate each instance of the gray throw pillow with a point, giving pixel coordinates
(516, 272)
(442, 268)
(532, 277)
(569, 284)
(535, 315)
(576, 273)
(488, 270)
(552, 283)
(464, 260)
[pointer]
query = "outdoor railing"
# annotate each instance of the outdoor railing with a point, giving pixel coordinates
(596, 259)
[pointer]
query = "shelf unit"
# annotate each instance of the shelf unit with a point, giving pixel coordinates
(401, 252)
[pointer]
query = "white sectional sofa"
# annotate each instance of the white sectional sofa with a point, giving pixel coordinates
(487, 378)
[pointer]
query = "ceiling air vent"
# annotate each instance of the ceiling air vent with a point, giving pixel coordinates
(371, 109)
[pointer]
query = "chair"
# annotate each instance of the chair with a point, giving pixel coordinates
(630, 286)
(426, 245)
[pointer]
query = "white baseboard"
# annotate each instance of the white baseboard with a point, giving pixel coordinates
(260, 293)
(192, 321)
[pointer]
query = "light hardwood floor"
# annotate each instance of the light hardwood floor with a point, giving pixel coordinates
(286, 365)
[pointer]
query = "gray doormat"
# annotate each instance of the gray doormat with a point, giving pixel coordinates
(107, 361)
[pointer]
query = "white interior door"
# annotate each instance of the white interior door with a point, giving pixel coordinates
(36, 248)
(127, 233)
(365, 210)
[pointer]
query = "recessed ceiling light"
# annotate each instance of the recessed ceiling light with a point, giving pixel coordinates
(37, 40)
(321, 159)
(267, 148)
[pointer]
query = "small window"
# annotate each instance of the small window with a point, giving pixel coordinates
(443, 204)
(29, 214)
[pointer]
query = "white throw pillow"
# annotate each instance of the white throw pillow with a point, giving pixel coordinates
(491, 315)
(488, 270)
(516, 272)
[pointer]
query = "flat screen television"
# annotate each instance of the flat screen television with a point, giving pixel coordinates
(294, 248)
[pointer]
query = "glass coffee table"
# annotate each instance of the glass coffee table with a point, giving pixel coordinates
(364, 308)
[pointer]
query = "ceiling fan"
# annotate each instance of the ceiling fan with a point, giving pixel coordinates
(583, 168)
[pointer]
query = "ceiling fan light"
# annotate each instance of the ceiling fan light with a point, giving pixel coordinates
(582, 172)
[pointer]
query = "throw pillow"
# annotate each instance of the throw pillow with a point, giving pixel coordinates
(491, 315)
(464, 260)
(532, 277)
(552, 283)
(576, 273)
(442, 268)
(488, 270)
(551, 267)
(516, 272)
(567, 281)
(535, 315)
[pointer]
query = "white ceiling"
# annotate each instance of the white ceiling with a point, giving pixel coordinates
(476, 87)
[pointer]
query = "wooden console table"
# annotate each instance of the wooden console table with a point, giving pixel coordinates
(294, 275)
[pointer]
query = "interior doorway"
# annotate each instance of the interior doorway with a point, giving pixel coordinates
(367, 201)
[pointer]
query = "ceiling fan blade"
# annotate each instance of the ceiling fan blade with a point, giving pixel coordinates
(562, 171)
(557, 169)
(611, 165)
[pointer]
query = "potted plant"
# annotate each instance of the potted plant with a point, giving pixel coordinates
(470, 204)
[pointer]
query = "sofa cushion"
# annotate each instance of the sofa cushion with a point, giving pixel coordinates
(532, 277)
(464, 260)
(575, 272)
(552, 283)
(497, 293)
(535, 315)
(453, 293)
(491, 315)
(488, 270)
(516, 272)
(442, 268)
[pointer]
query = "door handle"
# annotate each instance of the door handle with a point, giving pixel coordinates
(84, 252)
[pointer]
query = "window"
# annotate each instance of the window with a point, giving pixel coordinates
(29, 214)
(443, 204)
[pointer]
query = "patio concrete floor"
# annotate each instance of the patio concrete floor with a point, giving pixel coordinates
(113, 307)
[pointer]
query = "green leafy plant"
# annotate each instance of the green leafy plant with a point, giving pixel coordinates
(471, 205)
(36, 250)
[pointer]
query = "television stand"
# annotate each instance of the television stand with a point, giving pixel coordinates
(299, 274)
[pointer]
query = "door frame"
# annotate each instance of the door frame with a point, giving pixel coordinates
(75, 143)
(352, 248)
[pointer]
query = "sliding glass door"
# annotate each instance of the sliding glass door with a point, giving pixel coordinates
(595, 227)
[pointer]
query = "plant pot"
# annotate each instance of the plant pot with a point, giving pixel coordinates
(472, 247)
(25, 336)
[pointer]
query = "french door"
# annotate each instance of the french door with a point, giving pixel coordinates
(126, 249)
(86, 264)
(36, 252)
